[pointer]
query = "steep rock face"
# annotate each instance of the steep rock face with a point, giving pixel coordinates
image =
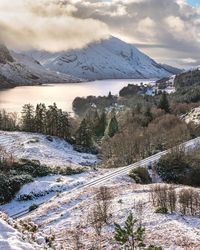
(4, 82)
(5, 55)
(106, 59)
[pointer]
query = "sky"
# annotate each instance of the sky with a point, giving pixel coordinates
(166, 30)
(193, 2)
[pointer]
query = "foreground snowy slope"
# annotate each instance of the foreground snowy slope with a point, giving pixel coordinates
(63, 214)
(11, 239)
(19, 69)
(37, 147)
(107, 59)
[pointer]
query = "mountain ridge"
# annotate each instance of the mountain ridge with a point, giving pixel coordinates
(106, 59)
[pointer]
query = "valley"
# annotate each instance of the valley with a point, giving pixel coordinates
(99, 143)
(61, 178)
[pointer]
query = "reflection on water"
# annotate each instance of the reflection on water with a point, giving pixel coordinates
(62, 94)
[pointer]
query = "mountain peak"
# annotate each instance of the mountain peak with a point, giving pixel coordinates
(109, 58)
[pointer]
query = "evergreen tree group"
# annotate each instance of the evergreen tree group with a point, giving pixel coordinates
(94, 126)
(51, 120)
(91, 128)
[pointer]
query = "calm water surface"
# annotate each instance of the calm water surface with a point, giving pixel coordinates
(63, 95)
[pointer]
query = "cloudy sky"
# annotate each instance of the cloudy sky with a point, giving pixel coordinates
(167, 30)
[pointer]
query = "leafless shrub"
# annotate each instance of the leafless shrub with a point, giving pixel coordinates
(95, 220)
(186, 201)
(6, 159)
(139, 210)
(103, 202)
(189, 202)
(159, 195)
(100, 212)
(78, 245)
(171, 199)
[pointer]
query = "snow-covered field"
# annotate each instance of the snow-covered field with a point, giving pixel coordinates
(66, 203)
(63, 214)
(37, 147)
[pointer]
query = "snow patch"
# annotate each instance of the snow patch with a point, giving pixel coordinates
(37, 147)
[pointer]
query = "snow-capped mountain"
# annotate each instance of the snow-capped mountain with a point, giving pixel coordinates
(20, 69)
(106, 59)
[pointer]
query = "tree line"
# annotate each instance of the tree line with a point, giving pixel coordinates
(53, 121)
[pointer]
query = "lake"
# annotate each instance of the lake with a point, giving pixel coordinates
(63, 95)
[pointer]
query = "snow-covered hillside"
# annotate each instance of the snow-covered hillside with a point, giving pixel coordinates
(37, 147)
(107, 59)
(63, 214)
(11, 239)
(19, 69)
(66, 202)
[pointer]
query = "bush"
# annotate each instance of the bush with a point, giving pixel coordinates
(9, 185)
(161, 210)
(132, 235)
(140, 175)
(32, 167)
(180, 168)
(69, 170)
(33, 207)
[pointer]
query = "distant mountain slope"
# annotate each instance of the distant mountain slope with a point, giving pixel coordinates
(171, 69)
(107, 59)
(19, 69)
(189, 78)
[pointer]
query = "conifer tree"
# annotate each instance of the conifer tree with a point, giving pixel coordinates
(40, 118)
(84, 135)
(132, 235)
(27, 119)
(164, 103)
(148, 116)
(112, 127)
(92, 118)
(101, 127)
(129, 236)
(52, 119)
(63, 128)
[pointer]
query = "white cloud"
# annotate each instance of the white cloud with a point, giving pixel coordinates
(163, 29)
(175, 23)
(46, 24)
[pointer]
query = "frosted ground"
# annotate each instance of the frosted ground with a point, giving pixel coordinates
(63, 214)
(37, 147)
(68, 207)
